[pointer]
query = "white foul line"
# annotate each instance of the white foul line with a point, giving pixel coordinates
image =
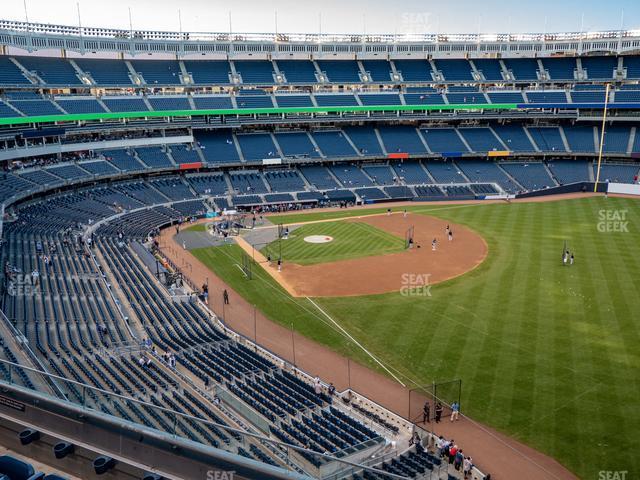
(356, 342)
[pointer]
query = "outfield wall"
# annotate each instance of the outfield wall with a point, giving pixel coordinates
(624, 188)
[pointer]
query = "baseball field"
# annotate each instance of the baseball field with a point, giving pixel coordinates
(548, 354)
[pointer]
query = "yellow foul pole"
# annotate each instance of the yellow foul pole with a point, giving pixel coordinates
(604, 121)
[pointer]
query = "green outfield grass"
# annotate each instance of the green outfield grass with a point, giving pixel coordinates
(547, 354)
(197, 228)
(350, 240)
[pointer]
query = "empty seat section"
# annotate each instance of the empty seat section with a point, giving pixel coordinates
(213, 102)
(580, 139)
(423, 99)
(122, 159)
(209, 184)
(125, 104)
(218, 146)
(514, 137)
(522, 68)
(378, 70)
(549, 96)
(381, 174)
(169, 103)
(6, 111)
(489, 68)
(532, 176)
(560, 68)
(380, 98)
(617, 173)
(105, 72)
(33, 108)
(333, 143)
(53, 71)
(247, 182)
(284, 180)
(153, 157)
(599, 68)
(570, 171)
(350, 175)
(208, 72)
(298, 71)
(294, 101)
(338, 100)
(445, 171)
(401, 139)
(296, 144)
(68, 172)
(255, 72)
(414, 70)
(548, 139)
(463, 98)
(319, 177)
(506, 97)
(481, 139)
(254, 101)
(99, 168)
(592, 95)
(340, 71)
(443, 140)
(158, 72)
(454, 70)
(88, 105)
(257, 146)
(10, 74)
(487, 171)
(632, 64)
(364, 139)
(411, 172)
(616, 139)
(184, 154)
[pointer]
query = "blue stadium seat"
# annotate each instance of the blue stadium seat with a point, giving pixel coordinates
(378, 70)
(414, 70)
(158, 72)
(106, 72)
(218, 146)
(296, 144)
(259, 72)
(208, 72)
(333, 143)
(53, 71)
(10, 74)
(298, 71)
(340, 71)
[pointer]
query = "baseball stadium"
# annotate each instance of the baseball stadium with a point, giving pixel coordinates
(359, 256)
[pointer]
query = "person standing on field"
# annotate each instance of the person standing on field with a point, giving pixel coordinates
(438, 412)
(455, 411)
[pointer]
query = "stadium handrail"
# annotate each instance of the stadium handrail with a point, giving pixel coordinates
(125, 34)
(254, 111)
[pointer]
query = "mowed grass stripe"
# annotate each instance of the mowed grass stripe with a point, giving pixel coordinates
(350, 240)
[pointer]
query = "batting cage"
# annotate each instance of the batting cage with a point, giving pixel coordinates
(443, 393)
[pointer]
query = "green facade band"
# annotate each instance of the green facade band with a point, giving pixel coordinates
(250, 111)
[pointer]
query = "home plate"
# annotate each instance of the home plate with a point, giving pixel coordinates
(318, 239)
